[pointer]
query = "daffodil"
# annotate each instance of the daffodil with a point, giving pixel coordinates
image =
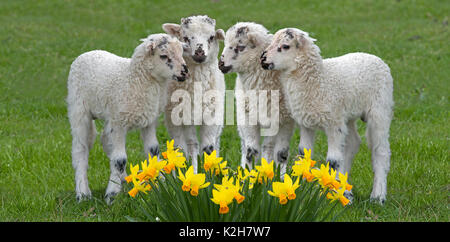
(222, 169)
(242, 173)
(325, 175)
(338, 195)
(134, 172)
(252, 177)
(151, 169)
(342, 183)
(229, 185)
(223, 198)
(192, 182)
(170, 148)
(139, 186)
(302, 167)
(307, 154)
(174, 159)
(211, 161)
(284, 190)
(265, 170)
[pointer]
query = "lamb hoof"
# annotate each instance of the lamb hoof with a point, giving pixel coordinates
(379, 200)
(83, 197)
(109, 197)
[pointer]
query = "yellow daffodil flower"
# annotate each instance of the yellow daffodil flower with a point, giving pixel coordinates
(151, 169)
(174, 159)
(325, 175)
(242, 173)
(222, 169)
(139, 186)
(134, 172)
(265, 170)
(223, 198)
(229, 185)
(307, 154)
(211, 161)
(343, 182)
(338, 195)
(302, 167)
(192, 182)
(284, 190)
(170, 148)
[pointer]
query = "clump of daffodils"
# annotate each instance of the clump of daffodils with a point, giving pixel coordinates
(228, 185)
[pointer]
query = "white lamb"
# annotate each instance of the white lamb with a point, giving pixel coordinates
(331, 94)
(199, 34)
(125, 93)
(244, 44)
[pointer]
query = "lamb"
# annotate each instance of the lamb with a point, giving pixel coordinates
(330, 95)
(244, 44)
(125, 93)
(199, 34)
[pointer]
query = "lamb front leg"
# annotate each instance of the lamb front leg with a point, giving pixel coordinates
(307, 137)
(283, 139)
(148, 135)
(190, 137)
(210, 138)
(250, 147)
(118, 161)
(336, 147)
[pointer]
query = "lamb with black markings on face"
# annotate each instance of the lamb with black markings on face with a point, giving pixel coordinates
(201, 47)
(126, 93)
(244, 44)
(331, 95)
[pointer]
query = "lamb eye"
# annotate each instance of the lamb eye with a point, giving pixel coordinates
(241, 48)
(163, 57)
(211, 38)
(285, 47)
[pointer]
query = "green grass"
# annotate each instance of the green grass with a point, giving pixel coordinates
(40, 39)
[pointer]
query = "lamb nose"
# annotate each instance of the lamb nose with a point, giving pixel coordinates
(185, 69)
(199, 52)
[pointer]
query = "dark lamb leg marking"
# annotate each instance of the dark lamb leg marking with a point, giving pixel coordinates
(120, 165)
(282, 155)
(154, 150)
(334, 164)
(208, 149)
(300, 152)
(251, 152)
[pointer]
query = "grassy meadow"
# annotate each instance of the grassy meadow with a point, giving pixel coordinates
(40, 39)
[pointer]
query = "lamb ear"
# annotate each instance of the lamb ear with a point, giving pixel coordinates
(303, 39)
(220, 34)
(172, 29)
(255, 38)
(150, 47)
